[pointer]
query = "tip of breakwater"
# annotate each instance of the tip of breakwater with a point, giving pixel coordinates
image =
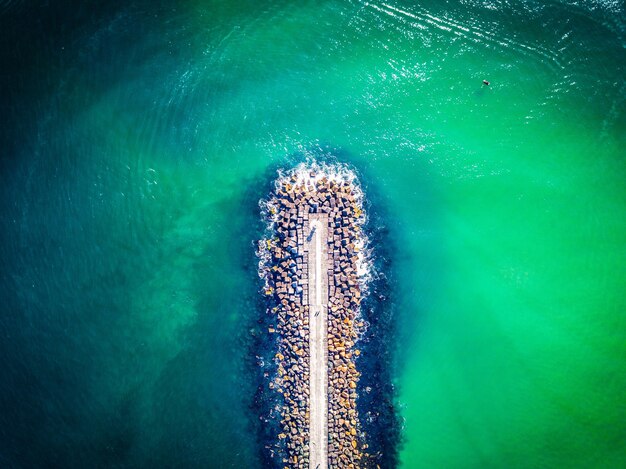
(309, 174)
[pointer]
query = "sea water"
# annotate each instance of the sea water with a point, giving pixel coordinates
(138, 138)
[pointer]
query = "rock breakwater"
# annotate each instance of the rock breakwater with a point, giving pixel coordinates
(314, 268)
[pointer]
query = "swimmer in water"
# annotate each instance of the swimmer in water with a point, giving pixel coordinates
(485, 82)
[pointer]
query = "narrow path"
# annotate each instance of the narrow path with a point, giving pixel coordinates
(316, 243)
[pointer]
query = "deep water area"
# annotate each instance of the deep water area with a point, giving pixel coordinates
(138, 137)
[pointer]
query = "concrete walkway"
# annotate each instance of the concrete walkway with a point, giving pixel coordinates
(316, 246)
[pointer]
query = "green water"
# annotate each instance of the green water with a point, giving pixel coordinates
(138, 138)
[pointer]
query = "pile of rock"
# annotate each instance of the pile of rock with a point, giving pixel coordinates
(286, 274)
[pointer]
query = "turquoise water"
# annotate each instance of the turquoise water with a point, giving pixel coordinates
(137, 139)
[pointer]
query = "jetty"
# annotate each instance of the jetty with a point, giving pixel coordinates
(312, 263)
